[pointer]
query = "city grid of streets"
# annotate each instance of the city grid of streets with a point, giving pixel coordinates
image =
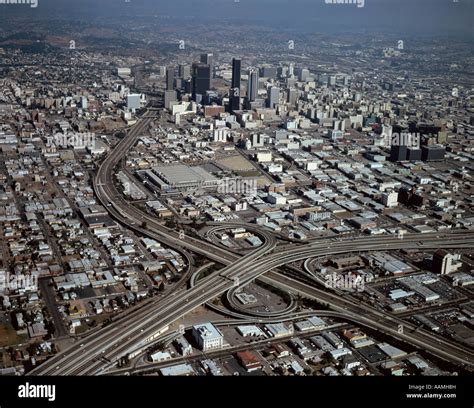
(274, 200)
(81, 361)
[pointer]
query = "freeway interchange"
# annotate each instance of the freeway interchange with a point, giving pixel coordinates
(134, 333)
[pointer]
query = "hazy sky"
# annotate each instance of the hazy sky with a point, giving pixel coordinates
(429, 17)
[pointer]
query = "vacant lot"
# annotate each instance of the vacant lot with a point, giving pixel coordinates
(236, 163)
(8, 334)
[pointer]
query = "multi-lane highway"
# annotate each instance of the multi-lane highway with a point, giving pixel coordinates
(131, 334)
(134, 218)
(378, 321)
(110, 344)
(99, 352)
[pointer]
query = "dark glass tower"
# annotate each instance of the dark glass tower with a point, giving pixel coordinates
(201, 79)
(235, 90)
(170, 78)
(208, 59)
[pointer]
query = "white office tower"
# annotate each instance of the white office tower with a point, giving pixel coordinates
(445, 263)
(340, 125)
(291, 70)
(258, 140)
(220, 135)
(133, 101)
(390, 199)
(252, 87)
(387, 132)
(184, 71)
(162, 71)
(304, 75)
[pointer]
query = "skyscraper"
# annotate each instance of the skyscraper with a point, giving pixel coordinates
(170, 96)
(252, 87)
(133, 101)
(304, 74)
(208, 59)
(273, 97)
(201, 79)
(184, 71)
(291, 70)
(235, 89)
(292, 96)
(170, 78)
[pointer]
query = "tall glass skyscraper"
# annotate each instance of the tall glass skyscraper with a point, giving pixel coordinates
(235, 90)
(252, 87)
(208, 59)
(201, 79)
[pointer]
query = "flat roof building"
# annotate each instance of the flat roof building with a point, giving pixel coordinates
(182, 177)
(133, 101)
(178, 370)
(208, 337)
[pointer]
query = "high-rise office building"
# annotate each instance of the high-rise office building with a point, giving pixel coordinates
(304, 74)
(291, 70)
(179, 83)
(170, 96)
(398, 153)
(184, 71)
(414, 154)
(292, 96)
(273, 99)
(235, 90)
(252, 87)
(404, 146)
(433, 153)
(133, 101)
(201, 79)
(445, 263)
(282, 72)
(170, 78)
(236, 72)
(208, 59)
